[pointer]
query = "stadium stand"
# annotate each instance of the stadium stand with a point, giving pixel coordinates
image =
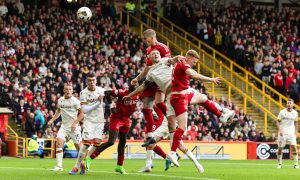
(43, 48)
(261, 39)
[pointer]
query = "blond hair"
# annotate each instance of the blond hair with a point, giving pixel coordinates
(149, 33)
(192, 53)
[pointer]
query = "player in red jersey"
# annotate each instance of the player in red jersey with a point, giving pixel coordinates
(119, 125)
(182, 95)
(151, 94)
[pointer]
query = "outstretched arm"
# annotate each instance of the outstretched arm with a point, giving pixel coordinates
(142, 74)
(175, 59)
(139, 90)
(194, 75)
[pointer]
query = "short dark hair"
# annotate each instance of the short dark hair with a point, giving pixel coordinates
(91, 75)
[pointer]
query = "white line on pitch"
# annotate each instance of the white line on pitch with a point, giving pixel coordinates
(109, 172)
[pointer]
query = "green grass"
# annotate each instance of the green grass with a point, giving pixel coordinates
(13, 168)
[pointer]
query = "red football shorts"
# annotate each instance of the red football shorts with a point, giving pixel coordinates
(180, 102)
(121, 125)
(150, 91)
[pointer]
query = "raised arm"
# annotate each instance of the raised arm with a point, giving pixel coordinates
(175, 59)
(142, 74)
(196, 76)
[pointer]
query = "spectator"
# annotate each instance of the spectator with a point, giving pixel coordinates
(39, 120)
(3, 9)
(29, 125)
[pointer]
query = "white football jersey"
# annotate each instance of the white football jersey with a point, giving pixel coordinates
(88, 98)
(69, 110)
(161, 74)
(287, 120)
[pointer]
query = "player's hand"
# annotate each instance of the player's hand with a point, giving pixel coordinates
(100, 98)
(216, 80)
(49, 123)
(73, 127)
(126, 99)
(134, 81)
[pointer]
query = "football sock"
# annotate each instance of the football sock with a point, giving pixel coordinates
(191, 155)
(210, 106)
(95, 154)
(81, 155)
(149, 157)
(295, 157)
(59, 157)
(149, 120)
(163, 108)
(176, 139)
(159, 151)
(279, 158)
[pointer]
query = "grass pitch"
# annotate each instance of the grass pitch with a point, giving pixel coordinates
(14, 168)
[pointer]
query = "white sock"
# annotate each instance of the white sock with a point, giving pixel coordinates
(191, 156)
(279, 158)
(295, 157)
(149, 134)
(81, 154)
(149, 158)
(59, 157)
(91, 150)
(218, 106)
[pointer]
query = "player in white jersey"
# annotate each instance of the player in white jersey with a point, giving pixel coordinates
(91, 99)
(287, 125)
(161, 74)
(68, 108)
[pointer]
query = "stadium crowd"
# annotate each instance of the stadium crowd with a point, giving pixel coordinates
(43, 48)
(261, 39)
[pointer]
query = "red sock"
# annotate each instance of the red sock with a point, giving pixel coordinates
(159, 151)
(120, 159)
(160, 116)
(162, 106)
(176, 139)
(149, 119)
(210, 106)
(95, 154)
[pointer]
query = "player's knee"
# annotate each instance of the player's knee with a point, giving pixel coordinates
(148, 102)
(151, 147)
(59, 150)
(86, 143)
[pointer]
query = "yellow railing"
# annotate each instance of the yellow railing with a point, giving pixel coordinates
(14, 136)
(51, 148)
(237, 83)
(186, 41)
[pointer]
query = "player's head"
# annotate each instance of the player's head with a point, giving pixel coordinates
(149, 37)
(290, 104)
(155, 56)
(68, 90)
(192, 57)
(91, 81)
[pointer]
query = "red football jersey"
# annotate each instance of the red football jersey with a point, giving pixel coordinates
(123, 111)
(163, 50)
(180, 80)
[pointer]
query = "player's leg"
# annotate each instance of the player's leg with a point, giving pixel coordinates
(121, 148)
(147, 111)
(179, 102)
(160, 102)
(281, 144)
(293, 142)
(87, 137)
(197, 98)
(191, 156)
(60, 140)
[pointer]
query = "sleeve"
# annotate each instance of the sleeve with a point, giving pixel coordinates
(101, 92)
(58, 104)
(165, 61)
(165, 51)
(121, 93)
(115, 93)
(149, 78)
(184, 66)
(296, 116)
(279, 118)
(83, 98)
(77, 104)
